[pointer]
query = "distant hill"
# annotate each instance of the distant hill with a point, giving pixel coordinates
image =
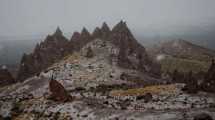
(11, 51)
(182, 55)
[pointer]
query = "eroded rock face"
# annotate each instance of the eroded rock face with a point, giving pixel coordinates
(81, 39)
(102, 33)
(131, 53)
(97, 33)
(52, 49)
(58, 92)
(5, 77)
(89, 53)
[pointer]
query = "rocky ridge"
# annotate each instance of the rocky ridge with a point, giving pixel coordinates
(56, 46)
(91, 81)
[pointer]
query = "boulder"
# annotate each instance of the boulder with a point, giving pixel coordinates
(58, 92)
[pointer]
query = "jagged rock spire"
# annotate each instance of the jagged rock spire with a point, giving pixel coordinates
(76, 36)
(58, 32)
(121, 24)
(105, 27)
(53, 48)
(97, 33)
(85, 32)
(56, 46)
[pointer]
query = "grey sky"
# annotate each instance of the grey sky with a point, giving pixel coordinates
(28, 17)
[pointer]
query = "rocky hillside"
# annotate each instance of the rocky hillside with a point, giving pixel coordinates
(184, 49)
(130, 55)
(183, 56)
(104, 76)
(52, 49)
(90, 84)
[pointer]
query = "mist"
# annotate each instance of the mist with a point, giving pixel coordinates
(144, 17)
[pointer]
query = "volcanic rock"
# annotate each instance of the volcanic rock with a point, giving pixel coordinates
(58, 92)
(131, 53)
(102, 33)
(97, 33)
(81, 39)
(52, 49)
(105, 31)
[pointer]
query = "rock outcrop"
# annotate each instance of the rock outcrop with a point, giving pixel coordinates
(102, 33)
(131, 53)
(81, 39)
(58, 92)
(52, 49)
(5, 77)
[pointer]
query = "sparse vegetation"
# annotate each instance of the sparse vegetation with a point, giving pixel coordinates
(156, 89)
(184, 65)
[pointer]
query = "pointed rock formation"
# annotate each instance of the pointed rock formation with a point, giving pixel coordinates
(76, 36)
(81, 39)
(5, 77)
(52, 49)
(58, 32)
(55, 47)
(102, 33)
(58, 92)
(74, 41)
(131, 53)
(105, 31)
(97, 33)
(105, 28)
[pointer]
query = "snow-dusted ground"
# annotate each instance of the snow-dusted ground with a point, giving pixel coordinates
(75, 71)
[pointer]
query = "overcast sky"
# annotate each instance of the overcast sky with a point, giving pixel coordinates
(30, 17)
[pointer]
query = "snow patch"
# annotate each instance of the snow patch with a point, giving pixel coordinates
(160, 57)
